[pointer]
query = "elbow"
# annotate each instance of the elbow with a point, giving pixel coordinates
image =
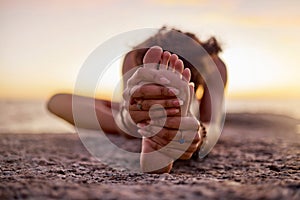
(60, 104)
(53, 103)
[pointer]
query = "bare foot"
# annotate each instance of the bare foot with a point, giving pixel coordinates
(171, 67)
(164, 63)
(155, 56)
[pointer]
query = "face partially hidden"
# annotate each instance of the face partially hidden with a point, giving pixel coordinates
(135, 58)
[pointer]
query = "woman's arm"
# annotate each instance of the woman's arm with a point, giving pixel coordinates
(61, 105)
(205, 103)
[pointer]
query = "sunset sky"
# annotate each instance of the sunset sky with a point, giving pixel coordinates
(44, 43)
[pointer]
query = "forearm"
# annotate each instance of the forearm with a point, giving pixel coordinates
(105, 116)
(125, 123)
(83, 111)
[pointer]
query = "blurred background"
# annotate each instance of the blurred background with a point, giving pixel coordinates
(44, 44)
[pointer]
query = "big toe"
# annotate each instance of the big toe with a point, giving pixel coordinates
(153, 55)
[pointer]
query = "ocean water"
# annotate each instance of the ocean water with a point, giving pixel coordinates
(287, 107)
(32, 116)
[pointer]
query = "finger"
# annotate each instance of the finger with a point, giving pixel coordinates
(183, 123)
(129, 91)
(146, 104)
(140, 115)
(153, 91)
(150, 91)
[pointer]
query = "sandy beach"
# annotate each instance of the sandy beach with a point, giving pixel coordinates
(245, 53)
(257, 157)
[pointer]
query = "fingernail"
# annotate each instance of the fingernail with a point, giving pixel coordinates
(173, 91)
(163, 80)
(140, 125)
(152, 122)
(176, 111)
(180, 102)
(176, 103)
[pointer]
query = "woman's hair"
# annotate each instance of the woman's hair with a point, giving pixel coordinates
(181, 42)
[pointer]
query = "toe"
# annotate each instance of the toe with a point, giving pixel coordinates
(186, 74)
(179, 66)
(173, 59)
(153, 55)
(165, 59)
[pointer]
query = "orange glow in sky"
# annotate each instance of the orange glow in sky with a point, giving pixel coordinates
(44, 43)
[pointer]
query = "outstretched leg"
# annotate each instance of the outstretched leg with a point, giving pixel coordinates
(172, 67)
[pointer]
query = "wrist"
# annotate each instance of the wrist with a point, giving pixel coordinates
(203, 135)
(127, 125)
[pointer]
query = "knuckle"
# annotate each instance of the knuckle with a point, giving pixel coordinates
(149, 104)
(134, 91)
(125, 95)
(141, 90)
(145, 105)
(139, 72)
(165, 91)
(162, 91)
(167, 103)
(130, 81)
